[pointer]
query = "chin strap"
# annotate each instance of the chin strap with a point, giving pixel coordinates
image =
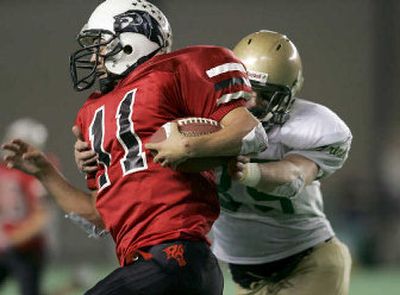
(108, 84)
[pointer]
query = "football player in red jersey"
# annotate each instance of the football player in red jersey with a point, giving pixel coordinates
(157, 216)
(23, 216)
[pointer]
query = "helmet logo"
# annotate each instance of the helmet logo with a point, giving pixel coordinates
(141, 22)
(259, 77)
(133, 19)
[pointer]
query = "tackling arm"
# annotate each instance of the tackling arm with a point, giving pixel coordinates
(285, 178)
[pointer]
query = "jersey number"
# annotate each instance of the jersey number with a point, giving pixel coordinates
(230, 204)
(134, 159)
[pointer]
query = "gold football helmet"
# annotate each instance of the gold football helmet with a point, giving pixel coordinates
(275, 71)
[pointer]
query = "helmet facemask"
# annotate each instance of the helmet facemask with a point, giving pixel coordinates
(273, 104)
(97, 46)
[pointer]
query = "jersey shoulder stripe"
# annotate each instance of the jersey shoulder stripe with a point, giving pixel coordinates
(224, 68)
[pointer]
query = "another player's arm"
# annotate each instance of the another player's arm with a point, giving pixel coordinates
(85, 157)
(285, 178)
(32, 161)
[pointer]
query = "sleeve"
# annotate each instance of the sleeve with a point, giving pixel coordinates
(320, 136)
(213, 83)
(329, 158)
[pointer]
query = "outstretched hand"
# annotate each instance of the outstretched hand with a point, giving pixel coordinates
(85, 157)
(171, 151)
(25, 157)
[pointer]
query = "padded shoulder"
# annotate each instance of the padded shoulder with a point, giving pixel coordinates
(312, 125)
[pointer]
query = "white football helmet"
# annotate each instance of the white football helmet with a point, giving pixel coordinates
(275, 72)
(125, 33)
(29, 130)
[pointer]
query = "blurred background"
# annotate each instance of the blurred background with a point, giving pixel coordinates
(351, 55)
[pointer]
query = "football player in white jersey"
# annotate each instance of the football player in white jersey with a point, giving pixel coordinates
(272, 230)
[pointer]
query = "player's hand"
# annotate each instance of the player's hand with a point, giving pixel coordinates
(25, 157)
(85, 157)
(171, 151)
(237, 167)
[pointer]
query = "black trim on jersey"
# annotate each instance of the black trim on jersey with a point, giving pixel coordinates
(134, 159)
(97, 138)
(229, 83)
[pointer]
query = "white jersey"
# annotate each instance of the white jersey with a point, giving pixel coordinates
(255, 227)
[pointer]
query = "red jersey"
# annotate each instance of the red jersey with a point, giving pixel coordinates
(142, 203)
(19, 194)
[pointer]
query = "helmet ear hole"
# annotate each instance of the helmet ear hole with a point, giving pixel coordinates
(128, 49)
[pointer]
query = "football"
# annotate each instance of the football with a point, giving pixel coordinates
(187, 126)
(193, 126)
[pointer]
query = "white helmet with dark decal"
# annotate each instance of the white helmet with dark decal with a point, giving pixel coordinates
(125, 33)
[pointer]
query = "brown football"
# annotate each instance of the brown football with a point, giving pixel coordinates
(187, 126)
(194, 126)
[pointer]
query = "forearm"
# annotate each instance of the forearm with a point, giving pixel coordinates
(226, 142)
(286, 177)
(275, 174)
(68, 197)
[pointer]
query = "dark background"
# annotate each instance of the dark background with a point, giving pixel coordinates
(350, 52)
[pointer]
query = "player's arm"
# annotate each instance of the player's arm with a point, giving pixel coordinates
(240, 129)
(297, 169)
(32, 161)
(285, 178)
(241, 134)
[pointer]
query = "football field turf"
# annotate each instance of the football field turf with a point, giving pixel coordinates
(68, 281)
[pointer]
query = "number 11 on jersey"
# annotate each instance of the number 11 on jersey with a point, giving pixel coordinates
(134, 158)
